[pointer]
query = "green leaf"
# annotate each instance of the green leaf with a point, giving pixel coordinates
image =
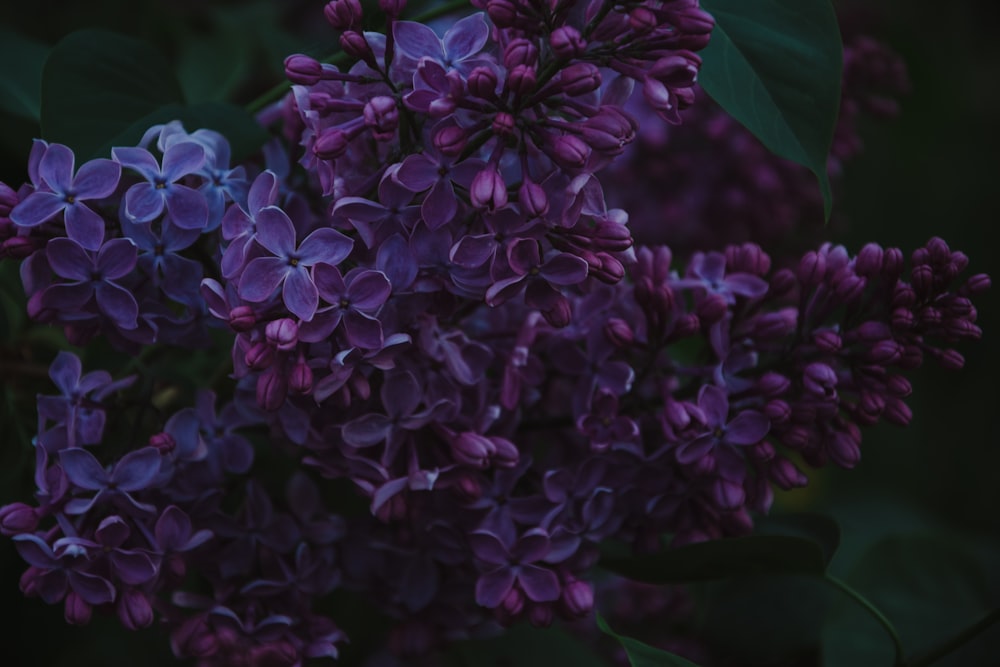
(929, 587)
(820, 528)
(524, 646)
(718, 559)
(245, 135)
(775, 66)
(21, 76)
(644, 655)
(96, 84)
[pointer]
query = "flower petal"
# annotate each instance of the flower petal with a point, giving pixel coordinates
(362, 330)
(117, 303)
(261, 278)
(83, 470)
(116, 258)
(136, 469)
(181, 159)
(68, 259)
(492, 587)
(56, 168)
(540, 584)
(143, 202)
(466, 38)
(299, 293)
(367, 430)
(188, 207)
(97, 179)
(36, 208)
(84, 226)
(369, 290)
(747, 428)
(417, 40)
(275, 231)
(263, 192)
(325, 245)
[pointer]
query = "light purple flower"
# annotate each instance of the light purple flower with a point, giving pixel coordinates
(93, 276)
(145, 201)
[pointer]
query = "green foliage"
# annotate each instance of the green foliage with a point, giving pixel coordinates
(775, 66)
(929, 587)
(21, 76)
(644, 655)
(101, 89)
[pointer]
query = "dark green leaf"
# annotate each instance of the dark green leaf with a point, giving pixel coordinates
(235, 123)
(820, 528)
(775, 66)
(211, 67)
(718, 559)
(644, 655)
(524, 646)
(929, 587)
(96, 84)
(21, 75)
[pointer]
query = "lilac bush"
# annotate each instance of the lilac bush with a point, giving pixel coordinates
(443, 305)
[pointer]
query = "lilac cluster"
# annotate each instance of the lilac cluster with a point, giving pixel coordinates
(117, 247)
(713, 183)
(438, 306)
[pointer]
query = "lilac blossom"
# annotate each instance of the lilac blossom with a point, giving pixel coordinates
(93, 276)
(95, 180)
(145, 201)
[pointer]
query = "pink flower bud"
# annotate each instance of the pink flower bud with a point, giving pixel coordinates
(869, 261)
(522, 79)
(17, 518)
(532, 199)
(355, 45)
(303, 70)
(300, 380)
(570, 152)
(567, 42)
(163, 442)
(260, 355)
(578, 598)
(271, 390)
(488, 189)
(519, 52)
(482, 82)
(343, 14)
(242, 318)
(134, 610)
(450, 140)
(282, 333)
(619, 332)
(76, 611)
(382, 116)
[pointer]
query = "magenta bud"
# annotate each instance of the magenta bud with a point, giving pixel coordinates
(469, 487)
(382, 116)
(282, 333)
(892, 263)
(271, 390)
(869, 261)
(260, 355)
(897, 412)
(503, 13)
(541, 615)
(938, 250)
(570, 152)
(784, 473)
(331, 144)
(560, 313)
(885, 352)
(782, 282)
(343, 14)
(773, 384)
(473, 449)
(642, 21)
(76, 611)
(19, 247)
(903, 296)
(522, 79)
(567, 42)
(194, 638)
(812, 268)
(977, 284)
(913, 357)
(482, 82)
(712, 308)
(355, 45)
(899, 386)
(163, 442)
(748, 258)
(762, 451)
(964, 329)
(872, 331)
(922, 279)
(687, 325)
(503, 123)
(777, 411)
(513, 603)
(242, 318)
(578, 598)
(17, 518)
(303, 70)
(392, 8)
(580, 79)
(488, 189)
(532, 199)
(611, 271)
(775, 325)
(506, 454)
(8, 200)
(728, 495)
(843, 450)
(134, 610)
(951, 360)
(450, 140)
(520, 52)
(903, 319)
(300, 380)
(619, 332)
(821, 380)
(850, 287)
(827, 341)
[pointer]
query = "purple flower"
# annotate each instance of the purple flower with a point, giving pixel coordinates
(96, 179)
(134, 472)
(514, 565)
(351, 298)
(747, 428)
(145, 201)
(178, 277)
(59, 570)
(461, 42)
(239, 224)
(708, 271)
(288, 265)
(433, 171)
(93, 277)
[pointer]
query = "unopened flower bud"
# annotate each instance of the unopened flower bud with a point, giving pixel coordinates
(784, 473)
(812, 268)
(532, 199)
(331, 144)
(282, 333)
(300, 380)
(897, 412)
(578, 598)
(951, 360)
(560, 313)
(503, 13)
(642, 21)
(271, 390)
(522, 79)
(382, 116)
(519, 52)
(827, 341)
(242, 318)
(892, 264)
(473, 449)
(450, 140)
(355, 45)
(712, 308)
(503, 124)
(482, 82)
(163, 442)
(869, 260)
(567, 42)
(76, 610)
(541, 615)
(134, 610)
(392, 8)
(303, 70)
(773, 384)
(820, 379)
(488, 189)
(777, 411)
(260, 355)
(513, 603)
(343, 14)
(922, 279)
(17, 518)
(619, 332)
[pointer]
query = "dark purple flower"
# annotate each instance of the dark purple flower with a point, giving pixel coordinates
(96, 179)
(239, 223)
(352, 298)
(145, 201)
(747, 428)
(60, 568)
(178, 277)
(134, 472)
(93, 276)
(514, 565)
(289, 264)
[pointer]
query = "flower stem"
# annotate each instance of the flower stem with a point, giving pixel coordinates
(955, 642)
(874, 611)
(275, 93)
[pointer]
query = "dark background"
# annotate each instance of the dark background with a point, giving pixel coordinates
(931, 172)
